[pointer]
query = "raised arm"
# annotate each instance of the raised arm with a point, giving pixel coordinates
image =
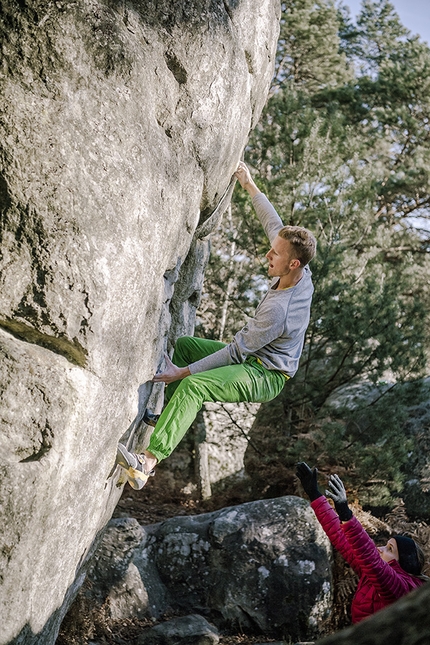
(326, 516)
(266, 213)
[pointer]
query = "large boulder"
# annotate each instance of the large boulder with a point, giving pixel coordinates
(121, 126)
(113, 580)
(262, 567)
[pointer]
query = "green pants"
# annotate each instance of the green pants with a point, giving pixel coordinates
(248, 381)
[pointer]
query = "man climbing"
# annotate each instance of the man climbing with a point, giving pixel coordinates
(259, 360)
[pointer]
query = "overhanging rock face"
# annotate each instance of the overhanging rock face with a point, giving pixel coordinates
(121, 125)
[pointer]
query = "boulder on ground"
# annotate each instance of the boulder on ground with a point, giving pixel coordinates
(263, 566)
(186, 630)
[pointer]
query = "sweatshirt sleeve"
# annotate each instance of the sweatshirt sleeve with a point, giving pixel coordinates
(217, 359)
(267, 215)
(386, 578)
(267, 325)
(329, 520)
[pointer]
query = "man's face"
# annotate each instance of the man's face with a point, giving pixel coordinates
(281, 258)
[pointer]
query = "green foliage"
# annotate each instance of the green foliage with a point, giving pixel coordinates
(364, 440)
(232, 288)
(380, 34)
(309, 55)
(368, 440)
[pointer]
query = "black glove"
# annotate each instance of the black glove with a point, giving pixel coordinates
(309, 480)
(337, 493)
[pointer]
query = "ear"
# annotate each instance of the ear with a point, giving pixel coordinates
(295, 264)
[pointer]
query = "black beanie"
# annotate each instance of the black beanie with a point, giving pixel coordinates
(408, 556)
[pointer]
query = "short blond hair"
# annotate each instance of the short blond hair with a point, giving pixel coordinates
(303, 242)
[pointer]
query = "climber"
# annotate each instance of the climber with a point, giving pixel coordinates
(386, 573)
(257, 363)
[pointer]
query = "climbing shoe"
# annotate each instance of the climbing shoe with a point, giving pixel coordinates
(134, 465)
(150, 418)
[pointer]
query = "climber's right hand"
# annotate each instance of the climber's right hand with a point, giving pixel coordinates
(171, 373)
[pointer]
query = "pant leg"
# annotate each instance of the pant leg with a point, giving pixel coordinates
(189, 349)
(229, 384)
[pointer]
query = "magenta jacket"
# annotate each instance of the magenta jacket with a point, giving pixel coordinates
(381, 583)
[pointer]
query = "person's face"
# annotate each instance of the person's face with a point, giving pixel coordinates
(281, 258)
(389, 551)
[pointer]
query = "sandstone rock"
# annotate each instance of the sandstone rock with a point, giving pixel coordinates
(114, 580)
(221, 442)
(262, 566)
(128, 598)
(121, 126)
(188, 630)
(115, 552)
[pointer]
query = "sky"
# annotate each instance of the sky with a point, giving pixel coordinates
(414, 14)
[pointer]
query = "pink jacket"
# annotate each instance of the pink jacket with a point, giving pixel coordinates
(381, 583)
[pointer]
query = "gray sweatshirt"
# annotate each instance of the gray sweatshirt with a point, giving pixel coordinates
(276, 334)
